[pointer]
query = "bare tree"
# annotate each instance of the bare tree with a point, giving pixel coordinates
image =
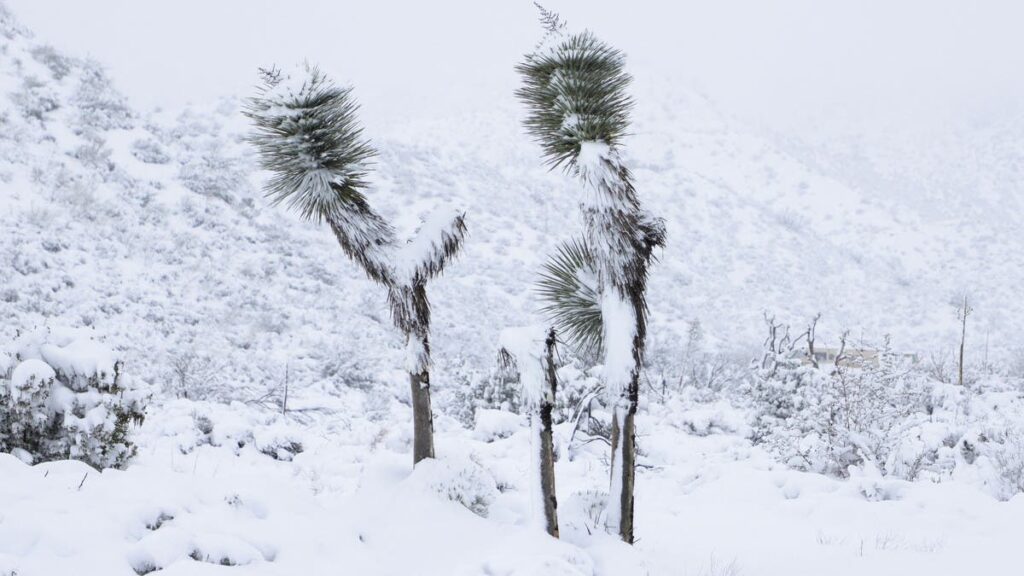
(963, 310)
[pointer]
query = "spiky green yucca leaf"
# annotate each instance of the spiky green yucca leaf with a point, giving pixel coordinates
(308, 135)
(574, 87)
(567, 286)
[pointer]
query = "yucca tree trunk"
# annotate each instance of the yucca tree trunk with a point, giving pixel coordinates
(547, 449)
(623, 458)
(419, 376)
(628, 470)
(422, 417)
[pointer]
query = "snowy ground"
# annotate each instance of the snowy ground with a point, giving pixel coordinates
(348, 503)
(150, 229)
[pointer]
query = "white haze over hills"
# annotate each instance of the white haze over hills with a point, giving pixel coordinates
(862, 161)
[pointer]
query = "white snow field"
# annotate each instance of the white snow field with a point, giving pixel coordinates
(149, 231)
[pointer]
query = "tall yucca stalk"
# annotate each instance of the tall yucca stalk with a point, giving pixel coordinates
(574, 88)
(308, 136)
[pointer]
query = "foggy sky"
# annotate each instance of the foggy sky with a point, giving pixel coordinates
(792, 65)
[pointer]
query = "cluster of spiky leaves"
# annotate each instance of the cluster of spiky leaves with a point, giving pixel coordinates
(574, 87)
(567, 285)
(308, 136)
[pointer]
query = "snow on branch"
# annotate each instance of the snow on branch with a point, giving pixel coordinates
(438, 239)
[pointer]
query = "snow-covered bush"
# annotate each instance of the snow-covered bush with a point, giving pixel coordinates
(59, 64)
(150, 151)
(63, 395)
(494, 425)
(827, 418)
(460, 480)
(100, 106)
(212, 174)
(500, 390)
(94, 153)
(1008, 459)
(36, 99)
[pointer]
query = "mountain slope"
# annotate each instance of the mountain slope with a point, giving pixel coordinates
(152, 229)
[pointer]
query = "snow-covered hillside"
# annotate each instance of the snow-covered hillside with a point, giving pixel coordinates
(150, 228)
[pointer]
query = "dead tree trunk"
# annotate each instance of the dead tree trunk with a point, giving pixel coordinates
(964, 312)
(547, 448)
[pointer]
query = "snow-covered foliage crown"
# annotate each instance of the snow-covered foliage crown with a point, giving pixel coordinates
(308, 135)
(574, 86)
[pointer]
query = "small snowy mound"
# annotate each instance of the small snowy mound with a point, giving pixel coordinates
(459, 480)
(62, 396)
(491, 425)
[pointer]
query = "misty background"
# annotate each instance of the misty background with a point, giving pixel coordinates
(916, 105)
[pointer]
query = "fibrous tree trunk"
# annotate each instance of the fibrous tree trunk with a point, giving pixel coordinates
(422, 417)
(547, 449)
(417, 314)
(530, 352)
(628, 464)
(623, 464)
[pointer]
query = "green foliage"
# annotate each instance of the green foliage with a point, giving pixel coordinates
(50, 411)
(308, 135)
(574, 87)
(568, 287)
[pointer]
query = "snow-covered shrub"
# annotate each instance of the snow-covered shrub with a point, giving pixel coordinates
(705, 419)
(461, 400)
(844, 418)
(212, 174)
(59, 65)
(493, 425)
(99, 105)
(9, 25)
(279, 441)
(94, 153)
(1008, 459)
(828, 418)
(36, 99)
(587, 505)
(63, 395)
(576, 389)
(501, 390)
(196, 377)
(150, 151)
(235, 426)
(459, 480)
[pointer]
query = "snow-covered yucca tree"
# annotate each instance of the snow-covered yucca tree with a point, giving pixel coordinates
(308, 136)
(575, 91)
(530, 352)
